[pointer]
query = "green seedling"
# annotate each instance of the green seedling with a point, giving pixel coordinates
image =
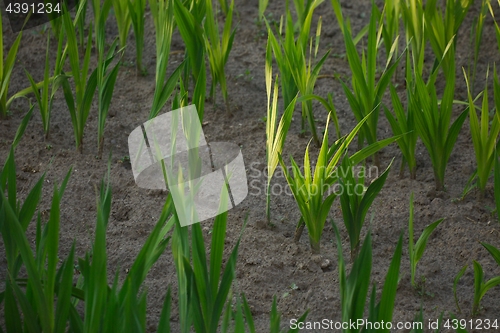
(136, 9)
(455, 283)
(123, 20)
(49, 86)
(484, 132)
(354, 287)
(106, 73)
(356, 199)
(204, 288)
(189, 18)
(441, 29)
(311, 189)
(296, 71)
(163, 16)
(218, 49)
(275, 135)
(85, 82)
(403, 123)
(416, 250)
(46, 298)
(366, 92)
(434, 117)
(481, 286)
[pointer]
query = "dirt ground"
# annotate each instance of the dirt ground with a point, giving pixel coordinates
(269, 262)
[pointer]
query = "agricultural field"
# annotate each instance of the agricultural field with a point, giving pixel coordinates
(369, 135)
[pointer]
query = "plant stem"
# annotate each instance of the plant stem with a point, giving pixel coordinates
(413, 172)
(354, 252)
(268, 203)
(439, 184)
(315, 245)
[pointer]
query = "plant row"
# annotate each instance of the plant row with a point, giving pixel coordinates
(196, 22)
(46, 293)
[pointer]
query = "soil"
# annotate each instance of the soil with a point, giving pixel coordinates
(270, 263)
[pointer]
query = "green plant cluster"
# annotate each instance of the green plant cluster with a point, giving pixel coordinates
(43, 293)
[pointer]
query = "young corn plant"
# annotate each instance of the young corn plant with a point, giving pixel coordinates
(47, 300)
(390, 29)
(242, 317)
(484, 131)
(276, 320)
(204, 288)
(123, 20)
(106, 77)
(85, 84)
(367, 92)
(275, 136)
(45, 283)
(305, 76)
(455, 284)
(288, 86)
(311, 189)
(403, 123)
(433, 119)
(481, 286)
(45, 96)
(218, 49)
(417, 250)
(412, 14)
(163, 16)
(189, 18)
(6, 66)
(354, 288)
(476, 38)
(356, 199)
(441, 30)
(104, 304)
(297, 72)
(181, 98)
(136, 8)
